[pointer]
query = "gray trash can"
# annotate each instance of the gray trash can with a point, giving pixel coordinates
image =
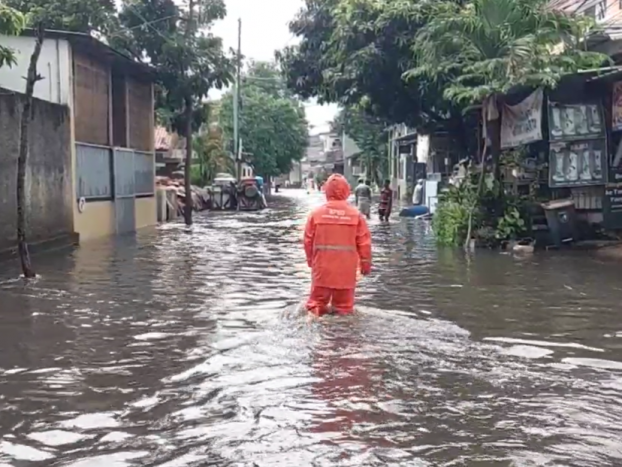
(561, 218)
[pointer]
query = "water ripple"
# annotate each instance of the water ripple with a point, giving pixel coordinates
(188, 347)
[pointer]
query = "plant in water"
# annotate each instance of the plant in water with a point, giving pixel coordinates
(453, 213)
(511, 225)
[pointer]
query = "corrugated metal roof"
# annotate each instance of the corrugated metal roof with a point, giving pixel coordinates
(90, 44)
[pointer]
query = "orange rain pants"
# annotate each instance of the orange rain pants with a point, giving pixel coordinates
(336, 241)
(342, 301)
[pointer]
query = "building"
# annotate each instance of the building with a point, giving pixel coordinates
(608, 15)
(111, 119)
(402, 157)
(352, 168)
(332, 152)
(299, 172)
(170, 152)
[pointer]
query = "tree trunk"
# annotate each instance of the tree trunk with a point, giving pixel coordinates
(494, 133)
(22, 159)
(478, 194)
(187, 169)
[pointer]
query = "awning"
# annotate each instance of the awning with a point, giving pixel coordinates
(410, 138)
(612, 75)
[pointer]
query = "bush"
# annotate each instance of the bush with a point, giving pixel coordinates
(197, 178)
(451, 222)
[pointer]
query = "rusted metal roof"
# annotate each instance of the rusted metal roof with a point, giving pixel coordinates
(93, 46)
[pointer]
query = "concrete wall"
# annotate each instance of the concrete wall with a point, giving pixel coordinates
(146, 212)
(98, 218)
(95, 221)
(54, 66)
(49, 171)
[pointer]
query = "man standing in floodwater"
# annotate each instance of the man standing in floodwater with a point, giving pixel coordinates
(386, 201)
(336, 241)
(362, 195)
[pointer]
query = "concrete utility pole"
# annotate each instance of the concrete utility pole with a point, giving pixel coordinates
(236, 105)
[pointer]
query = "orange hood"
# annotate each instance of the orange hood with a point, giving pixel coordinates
(337, 188)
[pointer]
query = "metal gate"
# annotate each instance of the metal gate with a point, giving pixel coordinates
(124, 191)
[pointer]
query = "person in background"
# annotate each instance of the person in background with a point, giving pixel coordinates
(336, 241)
(418, 193)
(362, 196)
(386, 201)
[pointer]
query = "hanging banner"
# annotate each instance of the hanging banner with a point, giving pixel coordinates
(616, 107)
(522, 123)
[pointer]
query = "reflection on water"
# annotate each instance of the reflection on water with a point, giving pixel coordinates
(187, 348)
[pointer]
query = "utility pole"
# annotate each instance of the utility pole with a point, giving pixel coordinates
(236, 105)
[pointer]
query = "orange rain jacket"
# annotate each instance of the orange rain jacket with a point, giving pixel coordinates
(337, 239)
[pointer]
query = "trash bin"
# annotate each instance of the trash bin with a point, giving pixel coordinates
(561, 218)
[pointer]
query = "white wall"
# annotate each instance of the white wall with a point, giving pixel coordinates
(53, 66)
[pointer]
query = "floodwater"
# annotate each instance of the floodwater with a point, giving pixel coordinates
(187, 349)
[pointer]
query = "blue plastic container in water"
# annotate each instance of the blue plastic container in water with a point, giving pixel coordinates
(414, 211)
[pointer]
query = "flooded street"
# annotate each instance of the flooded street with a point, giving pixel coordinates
(189, 349)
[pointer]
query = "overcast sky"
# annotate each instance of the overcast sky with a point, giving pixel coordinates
(264, 30)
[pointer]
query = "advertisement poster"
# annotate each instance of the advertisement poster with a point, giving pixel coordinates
(522, 123)
(616, 110)
(578, 163)
(574, 122)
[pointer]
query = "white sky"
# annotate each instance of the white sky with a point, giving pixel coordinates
(264, 30)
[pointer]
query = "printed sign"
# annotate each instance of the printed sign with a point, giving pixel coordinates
(575, 122)
(615, 168)
(578, 163)
(612, 207)
(522, 123)
(616, 107)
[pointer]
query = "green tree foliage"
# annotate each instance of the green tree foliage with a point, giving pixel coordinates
(187, 62)
(71, 15)
(489, 46)
(12, 22)
(273, 127)
(354, 52)
(367, 52)
(370, 135)
(188, 58)
(209, 145)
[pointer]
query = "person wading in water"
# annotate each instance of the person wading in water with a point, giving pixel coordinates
(336, 241)
(362, 195)
(386, 201)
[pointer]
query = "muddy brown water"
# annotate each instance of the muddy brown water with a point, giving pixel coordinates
(187, 349)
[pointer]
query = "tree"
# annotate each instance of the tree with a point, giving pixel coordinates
(370, 135)
(273, 127)
(354, 52)
(188, 59)
(213, 157)
(12, 22)
(72, 15)
(490, 46)
(484, 49)
(38, 16)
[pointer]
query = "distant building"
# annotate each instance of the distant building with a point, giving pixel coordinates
(352, 168)
(402, 156)
(111, 119)
(170, 151)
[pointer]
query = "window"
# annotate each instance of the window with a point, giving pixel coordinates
(598, 10)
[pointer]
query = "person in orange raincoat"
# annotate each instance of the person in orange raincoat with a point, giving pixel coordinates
(336, 241)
